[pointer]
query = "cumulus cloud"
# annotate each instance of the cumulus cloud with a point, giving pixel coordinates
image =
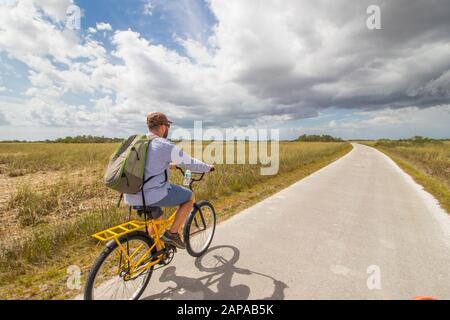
(386, 123)
(104, 26)
(321, 54)
(59, 62)
(264, 62)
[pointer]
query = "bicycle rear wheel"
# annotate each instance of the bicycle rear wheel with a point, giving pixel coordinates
(108, 278)
(199, 228)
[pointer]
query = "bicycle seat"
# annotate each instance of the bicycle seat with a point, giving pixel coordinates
(150, 212)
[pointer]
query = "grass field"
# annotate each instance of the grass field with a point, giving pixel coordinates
(52, 199)
(427, 161)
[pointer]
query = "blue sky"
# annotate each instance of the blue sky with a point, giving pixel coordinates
(297, 66)
(158, 24)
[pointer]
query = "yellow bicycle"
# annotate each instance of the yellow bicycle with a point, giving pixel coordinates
(134, 250)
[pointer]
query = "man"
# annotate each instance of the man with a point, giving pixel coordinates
(158, 192)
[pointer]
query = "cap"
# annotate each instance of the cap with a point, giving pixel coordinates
(157, 118)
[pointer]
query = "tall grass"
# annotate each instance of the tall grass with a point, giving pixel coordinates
(432, 157)
(231, 179)
(31, 206)
(23, 158)
(428, 161)
(50, 238)
(61, 198)
(47, 241)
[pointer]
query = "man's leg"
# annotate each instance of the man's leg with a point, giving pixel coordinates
(178, 194)
(181, 214)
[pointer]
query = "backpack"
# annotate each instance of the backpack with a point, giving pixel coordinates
(125, 171)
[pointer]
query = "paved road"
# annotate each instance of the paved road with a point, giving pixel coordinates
(358, 229)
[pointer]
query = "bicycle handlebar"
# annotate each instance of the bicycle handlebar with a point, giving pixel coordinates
(193, 179)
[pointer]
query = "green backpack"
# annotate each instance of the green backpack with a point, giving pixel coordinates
(125, 171)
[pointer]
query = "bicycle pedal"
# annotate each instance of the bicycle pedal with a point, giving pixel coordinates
(172, 247)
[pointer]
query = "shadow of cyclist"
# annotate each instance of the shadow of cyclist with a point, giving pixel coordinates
(221, 269)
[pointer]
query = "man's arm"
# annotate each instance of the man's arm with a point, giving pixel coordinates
(183, 160)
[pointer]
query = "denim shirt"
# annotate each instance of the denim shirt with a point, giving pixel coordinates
(161, 152)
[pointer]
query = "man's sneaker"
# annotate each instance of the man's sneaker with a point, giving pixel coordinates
(174, 239)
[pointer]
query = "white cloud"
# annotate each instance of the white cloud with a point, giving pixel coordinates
(56, 9)
(200, 54)
(104, 26)
(22, 37)
(188, 16)
(47, 46)
(148, 8)
(393, 123)
(264, 63)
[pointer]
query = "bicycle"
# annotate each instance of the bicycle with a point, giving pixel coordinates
(135, 248)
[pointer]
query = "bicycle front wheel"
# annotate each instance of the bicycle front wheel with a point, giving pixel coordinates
(199, 228)
(109, 278)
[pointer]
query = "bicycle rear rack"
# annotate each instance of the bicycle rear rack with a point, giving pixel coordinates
(119, 230)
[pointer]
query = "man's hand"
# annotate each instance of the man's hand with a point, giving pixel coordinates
(212, 168)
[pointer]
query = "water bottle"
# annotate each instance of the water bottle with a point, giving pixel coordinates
(187, 178)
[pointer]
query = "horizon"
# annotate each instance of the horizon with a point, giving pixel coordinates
(359, 71)
(207, 140)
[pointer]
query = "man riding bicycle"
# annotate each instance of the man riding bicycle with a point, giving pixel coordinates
(158, 192)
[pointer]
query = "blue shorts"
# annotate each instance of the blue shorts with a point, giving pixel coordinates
(176, 195)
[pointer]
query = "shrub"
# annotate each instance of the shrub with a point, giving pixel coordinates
(318, 138)
(31, 206)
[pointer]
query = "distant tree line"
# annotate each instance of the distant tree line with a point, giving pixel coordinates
(77, 139)
(86, 139)
(318, 138)
(417, 140)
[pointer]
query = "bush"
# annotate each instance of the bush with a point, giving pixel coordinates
(31, 206)
(86, 139)
(318, 138)
(62, 198)
(415, 141)
(46, 241)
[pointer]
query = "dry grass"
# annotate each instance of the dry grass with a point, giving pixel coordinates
(23, 158)
(55, 218)
(428, 162)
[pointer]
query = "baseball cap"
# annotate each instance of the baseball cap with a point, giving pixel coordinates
(157, 118)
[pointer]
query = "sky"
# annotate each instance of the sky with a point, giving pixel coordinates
(300, 66)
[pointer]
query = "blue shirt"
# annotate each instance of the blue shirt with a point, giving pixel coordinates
(161, 152)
